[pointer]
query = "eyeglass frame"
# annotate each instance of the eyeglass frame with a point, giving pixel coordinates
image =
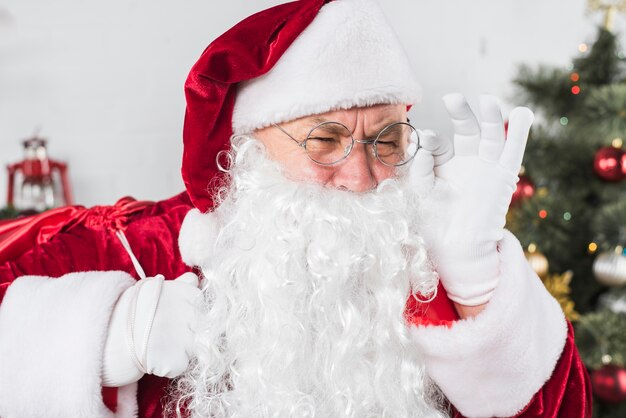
(372, 142)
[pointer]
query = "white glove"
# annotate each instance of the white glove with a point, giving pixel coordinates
(150, 330)
(465, 214)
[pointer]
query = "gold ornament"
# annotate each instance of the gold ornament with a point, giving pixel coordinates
(609, 268)
(542, 191)
(559, 286)
(537, 261)
(610, 7)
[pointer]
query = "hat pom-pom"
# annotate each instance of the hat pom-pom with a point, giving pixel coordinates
(197, 238)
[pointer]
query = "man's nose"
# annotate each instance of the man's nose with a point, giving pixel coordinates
(355, 172)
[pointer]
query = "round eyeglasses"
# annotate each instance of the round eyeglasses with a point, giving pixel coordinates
(331, 142)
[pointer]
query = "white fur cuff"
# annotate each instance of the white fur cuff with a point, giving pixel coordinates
(52, 335)
(493, 364)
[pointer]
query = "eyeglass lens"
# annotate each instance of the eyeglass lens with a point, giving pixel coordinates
(331, 142)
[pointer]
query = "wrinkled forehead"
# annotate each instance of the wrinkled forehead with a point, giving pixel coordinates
(369, 118)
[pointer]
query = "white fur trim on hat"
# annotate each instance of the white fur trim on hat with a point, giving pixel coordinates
(349, 56)
(493, 364)
(52, 335)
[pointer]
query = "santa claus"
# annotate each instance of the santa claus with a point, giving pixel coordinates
(350, 264)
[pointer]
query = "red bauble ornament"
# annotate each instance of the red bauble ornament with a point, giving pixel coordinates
(525, 189)
(609, 163)
(609, 383)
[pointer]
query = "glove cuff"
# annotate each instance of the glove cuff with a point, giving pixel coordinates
(119, 369)
(469, 272)
(147, 293)
(125, 354)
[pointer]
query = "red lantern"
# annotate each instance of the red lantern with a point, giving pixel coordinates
(609, 163)
(525, 189)
(609, 383)
(37, 190)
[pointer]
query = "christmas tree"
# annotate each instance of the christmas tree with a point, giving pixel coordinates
(569, 209)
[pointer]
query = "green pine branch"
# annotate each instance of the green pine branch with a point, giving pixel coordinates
(602, 333)
(546, 89)
(602, 114)
(602, 65)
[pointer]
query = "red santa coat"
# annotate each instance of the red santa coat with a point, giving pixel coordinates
(62, 272)
(517, 358)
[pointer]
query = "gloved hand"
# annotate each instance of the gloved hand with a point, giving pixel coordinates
(150, 330)
(465, 212)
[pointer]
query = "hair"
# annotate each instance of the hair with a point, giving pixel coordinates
(304, 294)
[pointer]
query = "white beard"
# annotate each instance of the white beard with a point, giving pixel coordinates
(305, 290)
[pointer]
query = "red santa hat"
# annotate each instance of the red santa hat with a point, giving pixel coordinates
(296, 59)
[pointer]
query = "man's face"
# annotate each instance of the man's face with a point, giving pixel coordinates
(360, 172)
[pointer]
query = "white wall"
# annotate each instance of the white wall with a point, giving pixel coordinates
(104, 80)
